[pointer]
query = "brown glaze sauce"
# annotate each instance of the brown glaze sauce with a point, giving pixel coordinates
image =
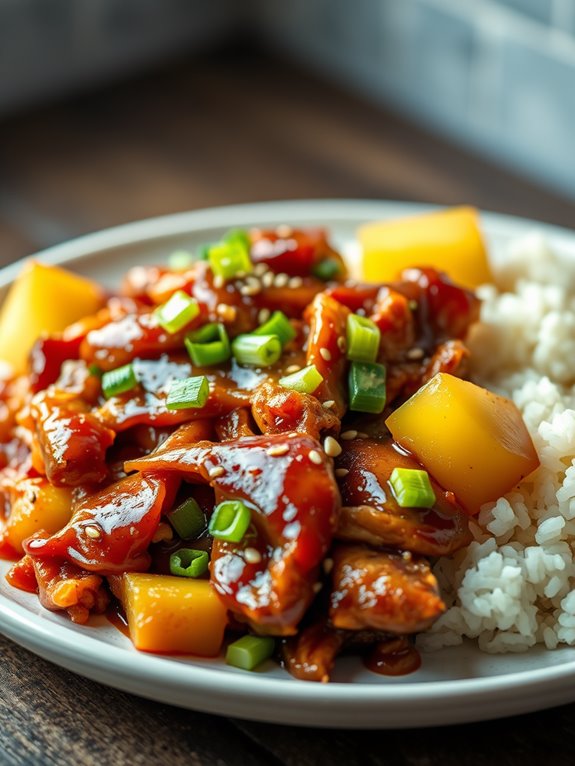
(397, 657)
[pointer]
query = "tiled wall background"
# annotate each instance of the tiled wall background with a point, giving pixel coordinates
(498, 75)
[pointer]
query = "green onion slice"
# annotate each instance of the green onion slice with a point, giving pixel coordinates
(228, 259)
(305, 380)
(119, 381)
(239, 237)
(180, 260)
(363, 338)
(177, 312)
(230, 521)
(189, 562)
(187, 393)
(257, 350)
(187, 519)
(209, 345)
(249, 651)
(412, 488)
(278, 324)
(327, 269)
(367, 391)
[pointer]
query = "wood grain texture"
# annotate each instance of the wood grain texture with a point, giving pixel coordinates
(227, 129)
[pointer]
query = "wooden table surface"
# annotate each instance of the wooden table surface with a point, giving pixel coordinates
(228, 128)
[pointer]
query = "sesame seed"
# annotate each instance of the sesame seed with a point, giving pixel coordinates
(327, 565)
(281, 280)
(315, 457)
(163, 533)
(317, 586)
(218, 282)
(325, 354)
(268, 279)
(341, 344)
(415, 353)
(252, 555)
(329, 404)
(263, 316)
(284, 230)
(295, 282)
(341, 472)
(260, 269)
(348, 435)
(227, 313)
(406, 555)
(293, 368)
(240, 274)
(277, 450)
(93, 532)
(251, 289)
(331, 446)
(412, 305)
(216, 472)
(362, 435)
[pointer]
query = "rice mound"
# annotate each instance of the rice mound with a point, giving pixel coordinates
(514, 585)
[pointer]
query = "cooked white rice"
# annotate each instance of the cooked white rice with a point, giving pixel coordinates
(514, 586)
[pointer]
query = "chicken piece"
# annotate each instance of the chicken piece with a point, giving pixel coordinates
(326, 349)
(71, 440)
(372, 515)
(234, 425)
(129, 337)
(378, 590)
(287, 482)
(311, 655)
(111, 530)
(279, 410)
(395, 318)
(61, 586)
(146, 404)
(294, 251)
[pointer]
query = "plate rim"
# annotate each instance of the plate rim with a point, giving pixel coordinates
(28, 629)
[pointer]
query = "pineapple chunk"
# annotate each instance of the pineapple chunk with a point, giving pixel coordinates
(448, 240)
(43, 299)
(36, 506)
(174, 615)
(471, 441)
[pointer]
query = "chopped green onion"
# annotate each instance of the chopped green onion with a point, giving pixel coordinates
(228, 259)
(327, 269)
(230, 521)
(204, 334)
(363, 338)
(238, 237)
(278, 324)
(305, 380)
(187, 519)
(188, 562)
(249, 651)
(187, 393)
(412, 488)
(257, 350)
(214, 348)
(180, 260)
(119, 381)
(203, 252)
(367, 391)
(94, 370)
(177, 312)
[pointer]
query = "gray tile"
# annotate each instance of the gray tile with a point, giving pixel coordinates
(535, 9)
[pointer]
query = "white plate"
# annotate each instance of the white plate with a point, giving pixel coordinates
(454, 685)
